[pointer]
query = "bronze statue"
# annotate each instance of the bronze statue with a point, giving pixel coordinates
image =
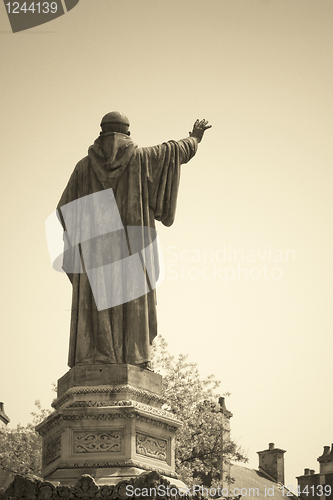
(143, 185)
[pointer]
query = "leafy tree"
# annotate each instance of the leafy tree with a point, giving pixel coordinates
(21, 448)
(200, 446)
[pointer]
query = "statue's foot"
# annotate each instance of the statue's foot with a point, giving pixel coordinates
(146, 366)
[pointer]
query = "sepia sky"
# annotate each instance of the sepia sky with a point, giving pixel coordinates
(248, 285)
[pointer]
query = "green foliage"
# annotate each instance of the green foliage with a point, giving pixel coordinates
(21, 448)
(200, 446)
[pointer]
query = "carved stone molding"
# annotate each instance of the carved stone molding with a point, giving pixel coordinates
(120, 464)
(52, 421)
(151, 446)
(97, 442)
(136, 404)
(98, 404)
(149, 396)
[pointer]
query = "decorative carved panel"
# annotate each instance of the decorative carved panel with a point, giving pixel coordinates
(97, 442)
(53, 450)
(151, 446)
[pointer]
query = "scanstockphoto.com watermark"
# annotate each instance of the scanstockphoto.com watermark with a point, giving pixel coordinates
(220, 491)
(193, 491)
(227, 264)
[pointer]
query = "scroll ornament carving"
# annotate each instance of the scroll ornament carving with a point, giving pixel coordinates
(90, 442)
(151, 446)
(53, 450)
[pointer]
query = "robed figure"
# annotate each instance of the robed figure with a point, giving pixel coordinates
(136, 186)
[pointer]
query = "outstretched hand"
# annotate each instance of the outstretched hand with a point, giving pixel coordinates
(199, 128)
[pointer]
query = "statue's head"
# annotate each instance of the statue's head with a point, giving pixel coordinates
(115, 122)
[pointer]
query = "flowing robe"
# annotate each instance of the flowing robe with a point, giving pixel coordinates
(145, 184)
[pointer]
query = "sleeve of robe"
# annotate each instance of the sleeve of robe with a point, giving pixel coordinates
(71, 258)
(162, 165)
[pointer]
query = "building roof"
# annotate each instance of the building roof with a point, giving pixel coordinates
(256, 484)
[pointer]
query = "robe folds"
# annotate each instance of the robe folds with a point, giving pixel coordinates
(145, 185)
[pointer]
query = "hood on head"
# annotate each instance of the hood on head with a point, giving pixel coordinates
(113, 149)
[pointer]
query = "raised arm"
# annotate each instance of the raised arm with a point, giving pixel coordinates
(199, 128)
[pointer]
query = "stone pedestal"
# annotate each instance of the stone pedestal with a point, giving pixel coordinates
(109, 423)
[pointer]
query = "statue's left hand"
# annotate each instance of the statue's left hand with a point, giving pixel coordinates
(199, 128)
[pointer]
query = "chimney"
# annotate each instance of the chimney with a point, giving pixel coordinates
(271, 461)
(223, 408)
(225, 460)
(326, 460)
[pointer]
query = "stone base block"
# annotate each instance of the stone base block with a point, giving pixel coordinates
(108, 431)
(111, 375)
(100, 385)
